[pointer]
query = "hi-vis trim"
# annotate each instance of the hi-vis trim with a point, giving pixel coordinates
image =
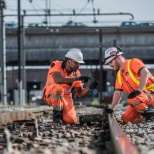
(58, 108)
(56, 96)
(119, 77)
(151, 87)
(135, 104)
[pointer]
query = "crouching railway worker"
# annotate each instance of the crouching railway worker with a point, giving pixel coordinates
(135, 79)
(61, 78)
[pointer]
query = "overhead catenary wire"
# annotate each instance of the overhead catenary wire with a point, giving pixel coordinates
(93, 8)
(62, 12)
(81, 10)
(35, 10)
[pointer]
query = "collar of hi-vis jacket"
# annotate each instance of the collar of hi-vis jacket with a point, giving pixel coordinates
(135, 80)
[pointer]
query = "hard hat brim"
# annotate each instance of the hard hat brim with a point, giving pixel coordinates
(108, 60)
(81, 62)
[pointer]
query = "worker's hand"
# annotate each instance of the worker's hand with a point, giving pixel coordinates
(108, 110)
(83, 78)
(134, 94)
(93, 85)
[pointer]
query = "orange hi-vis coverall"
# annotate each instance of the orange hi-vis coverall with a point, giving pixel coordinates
(59, 96)
(128, 80)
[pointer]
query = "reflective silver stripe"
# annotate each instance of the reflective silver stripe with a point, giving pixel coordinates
(148, 95)
(58, 108)
(56, 96)
(135, 104)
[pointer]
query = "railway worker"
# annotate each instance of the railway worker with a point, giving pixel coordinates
(135, 79)
(61, 78)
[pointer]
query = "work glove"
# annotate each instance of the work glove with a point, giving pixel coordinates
(83, 78)
(134, 94)
(93, 85)
(108, 110)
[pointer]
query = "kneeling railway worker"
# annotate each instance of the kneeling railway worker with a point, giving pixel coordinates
(135, 79)
(61, 78)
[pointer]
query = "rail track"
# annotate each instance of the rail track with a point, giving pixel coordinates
(31, 130)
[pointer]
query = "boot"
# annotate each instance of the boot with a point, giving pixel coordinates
(148, 113)
(57, 117)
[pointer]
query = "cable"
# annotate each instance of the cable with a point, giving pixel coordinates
(81, 10)
(94, 21)
(35, 10)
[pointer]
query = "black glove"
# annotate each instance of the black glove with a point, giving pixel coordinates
(83, 78)
(134, 94)
(93, 85)
(108, 110)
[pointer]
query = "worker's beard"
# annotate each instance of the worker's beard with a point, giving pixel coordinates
(116, 66)
(70, 70)
(76, 68)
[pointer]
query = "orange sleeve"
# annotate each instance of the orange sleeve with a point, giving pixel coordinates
(78, 83)
(55, 66)
(136, 65)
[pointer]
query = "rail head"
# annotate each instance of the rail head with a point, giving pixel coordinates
(121, 143)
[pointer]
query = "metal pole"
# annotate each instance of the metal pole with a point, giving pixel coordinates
(1, 52)
(3, 55)
(50, 12)
(100, 62)
(46, 19)
(19, 54)
(23, 62)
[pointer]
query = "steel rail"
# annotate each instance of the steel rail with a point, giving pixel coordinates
(121, 143)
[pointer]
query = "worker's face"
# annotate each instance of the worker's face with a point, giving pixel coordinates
(73, 65)
(114, 64)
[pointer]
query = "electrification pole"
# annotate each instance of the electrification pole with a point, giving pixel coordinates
(19, 54)
(100, 62)
(23, 62)
(3, 54)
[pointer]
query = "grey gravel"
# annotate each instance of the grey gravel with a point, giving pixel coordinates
(54, 139)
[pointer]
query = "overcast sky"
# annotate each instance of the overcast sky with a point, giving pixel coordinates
(142, 10)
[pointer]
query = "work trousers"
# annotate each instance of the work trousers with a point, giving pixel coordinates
(136, 106)
(54, 96)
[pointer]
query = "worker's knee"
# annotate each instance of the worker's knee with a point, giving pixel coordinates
(126, 119)
(131, 118)
(70, 119)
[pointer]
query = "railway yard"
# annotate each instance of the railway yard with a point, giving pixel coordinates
(31, 130)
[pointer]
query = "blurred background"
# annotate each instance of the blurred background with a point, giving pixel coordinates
(80, 12)
(36, 32)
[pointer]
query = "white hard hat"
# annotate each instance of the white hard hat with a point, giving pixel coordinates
(111, 53)
(75, 54)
